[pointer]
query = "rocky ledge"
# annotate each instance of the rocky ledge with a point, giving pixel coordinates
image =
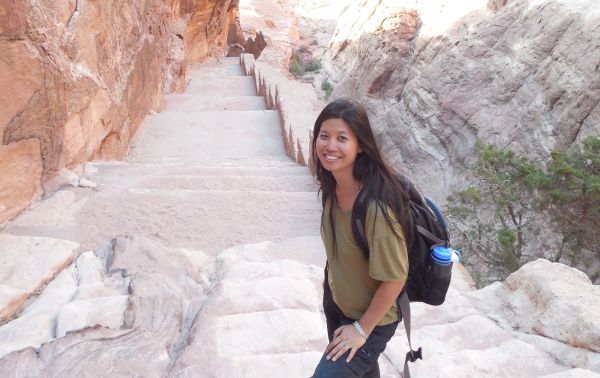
(135, 306)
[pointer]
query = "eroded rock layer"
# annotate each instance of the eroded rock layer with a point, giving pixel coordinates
(79, 76)
(438, 76)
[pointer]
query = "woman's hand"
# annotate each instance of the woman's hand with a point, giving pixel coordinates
(344, 338)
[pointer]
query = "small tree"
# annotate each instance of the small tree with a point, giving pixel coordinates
(493, 217)
(512, 200)
(572, 199)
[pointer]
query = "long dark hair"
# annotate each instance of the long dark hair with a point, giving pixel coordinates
(378, 178)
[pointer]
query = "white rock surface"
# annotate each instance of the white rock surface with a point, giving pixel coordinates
(27, 264)
(277, 322)
(548, 299)
(81, 296)
(85, 183)
(574, 373)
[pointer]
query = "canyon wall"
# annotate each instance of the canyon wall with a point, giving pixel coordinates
(437, 76)
(77, 78)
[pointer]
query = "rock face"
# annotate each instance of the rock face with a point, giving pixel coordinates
(206, 33)
(79, 76)
(20, 173)
(275, 22)
(435, 78)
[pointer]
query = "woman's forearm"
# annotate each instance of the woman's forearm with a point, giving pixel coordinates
(384, 298)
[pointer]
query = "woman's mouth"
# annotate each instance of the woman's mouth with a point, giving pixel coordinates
(331, 157)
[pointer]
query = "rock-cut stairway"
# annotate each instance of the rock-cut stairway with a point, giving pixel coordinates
(208, 172)
(207, 188)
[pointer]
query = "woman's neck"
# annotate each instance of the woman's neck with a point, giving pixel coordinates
(346, 184)
(346, 191)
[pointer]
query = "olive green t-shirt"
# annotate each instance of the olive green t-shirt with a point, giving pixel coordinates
(354, 279)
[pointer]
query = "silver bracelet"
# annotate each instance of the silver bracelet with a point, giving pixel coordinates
(360, 330)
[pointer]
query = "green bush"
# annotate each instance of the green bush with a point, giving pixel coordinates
(327, 87)
(297, 68)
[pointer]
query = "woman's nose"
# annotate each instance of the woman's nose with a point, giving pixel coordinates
(331, 146)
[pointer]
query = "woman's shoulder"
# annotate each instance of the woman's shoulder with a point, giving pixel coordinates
(375, 208)
(377, 220)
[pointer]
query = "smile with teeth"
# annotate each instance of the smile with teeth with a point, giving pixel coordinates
(332, 158)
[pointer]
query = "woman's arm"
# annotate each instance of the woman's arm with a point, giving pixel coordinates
(384, 298)
(347, 337)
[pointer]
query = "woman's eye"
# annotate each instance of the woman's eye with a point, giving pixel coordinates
(343, 138)
(322, 136)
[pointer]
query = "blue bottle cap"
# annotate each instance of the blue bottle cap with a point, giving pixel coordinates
(441, 255)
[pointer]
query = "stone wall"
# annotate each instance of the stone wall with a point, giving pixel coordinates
(78, 77)
(296, 103)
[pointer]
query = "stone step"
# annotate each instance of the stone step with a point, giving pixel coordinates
(119, 182)
(197, 136)
(205, 220)
(207, 162)
(257, 161)
(221, 86)
(221, 69)
(99, 169)
(195, 103)
(231, 60)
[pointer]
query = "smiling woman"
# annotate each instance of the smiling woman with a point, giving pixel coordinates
(359, 293)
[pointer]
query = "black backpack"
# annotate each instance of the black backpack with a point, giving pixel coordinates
(427, 282)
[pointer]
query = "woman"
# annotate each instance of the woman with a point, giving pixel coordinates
(364, 317)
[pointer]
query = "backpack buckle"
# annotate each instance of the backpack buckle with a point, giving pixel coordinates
(414, 355)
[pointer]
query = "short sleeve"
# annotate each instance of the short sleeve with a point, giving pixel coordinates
(388, 257)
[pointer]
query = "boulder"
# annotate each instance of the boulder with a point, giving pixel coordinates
(547, 299)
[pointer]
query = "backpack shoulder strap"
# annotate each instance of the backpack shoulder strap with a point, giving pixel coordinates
(358, 219)
(403, 304)
(413, 193)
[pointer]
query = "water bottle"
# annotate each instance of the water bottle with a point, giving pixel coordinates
(441, 262)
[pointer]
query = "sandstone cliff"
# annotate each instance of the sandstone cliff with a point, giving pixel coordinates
(438, 76)
(78, 77)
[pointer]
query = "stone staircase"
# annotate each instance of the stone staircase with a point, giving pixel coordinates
(205, 179)
(207, 173)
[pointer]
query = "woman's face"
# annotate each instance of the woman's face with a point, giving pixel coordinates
(337, 146)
